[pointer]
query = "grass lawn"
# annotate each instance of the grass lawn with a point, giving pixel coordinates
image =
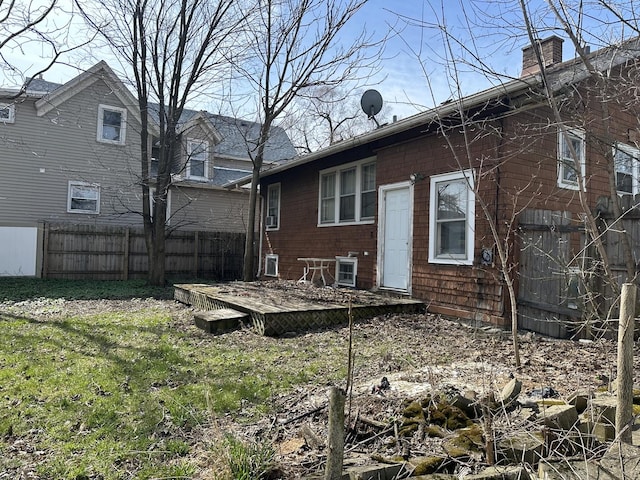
(127, 391)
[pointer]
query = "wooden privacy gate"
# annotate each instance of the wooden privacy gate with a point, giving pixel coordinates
(549, 277)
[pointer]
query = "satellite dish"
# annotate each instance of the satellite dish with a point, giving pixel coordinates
(371, 103)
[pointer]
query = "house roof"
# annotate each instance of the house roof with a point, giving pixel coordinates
(234, 138)
(529, 88)
(222, 176)
(240, 140)
(100, 71)
(40, 86)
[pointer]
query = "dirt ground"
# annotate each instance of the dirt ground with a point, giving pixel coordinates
(429, 353)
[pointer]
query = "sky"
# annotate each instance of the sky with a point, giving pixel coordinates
(415, 70)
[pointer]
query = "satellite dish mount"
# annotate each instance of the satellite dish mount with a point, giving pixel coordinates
(371, 103)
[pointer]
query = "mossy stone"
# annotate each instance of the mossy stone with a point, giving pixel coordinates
(465, 442)
(426, 465)
(448, 416)
(413, 410)
(408, 430)
(434, 431)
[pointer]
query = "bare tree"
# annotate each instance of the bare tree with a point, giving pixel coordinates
(174, 50)
(295, 46)
(323, 116)
(26, 27)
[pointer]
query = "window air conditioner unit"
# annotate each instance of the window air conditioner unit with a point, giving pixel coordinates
(271, 221)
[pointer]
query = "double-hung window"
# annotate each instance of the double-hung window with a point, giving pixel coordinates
(571, 158)
(626, 163)
(83, 197)
(273, 207)
(112, 124)
(348, 194)
(452, 218)
(198, 159)
(7, 112)
(368, 190)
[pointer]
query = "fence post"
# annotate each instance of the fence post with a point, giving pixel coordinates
(624, 405)
(45, 252)
(335, 444)
(125, 259)
(196, 253)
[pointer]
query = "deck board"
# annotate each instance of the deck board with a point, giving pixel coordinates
(279, 313)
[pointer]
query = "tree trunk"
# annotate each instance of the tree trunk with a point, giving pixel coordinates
(249, 271)
(157, 257)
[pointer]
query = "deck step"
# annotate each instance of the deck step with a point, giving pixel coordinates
(220, 320)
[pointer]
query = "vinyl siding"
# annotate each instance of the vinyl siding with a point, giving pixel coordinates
(42, 154)
(209, 209)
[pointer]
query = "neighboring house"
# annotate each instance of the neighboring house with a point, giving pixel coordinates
(72, 155)
(399, 207)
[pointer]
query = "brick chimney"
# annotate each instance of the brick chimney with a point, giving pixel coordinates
(550, 50)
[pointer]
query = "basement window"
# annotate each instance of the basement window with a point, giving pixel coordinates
(346, 271)
(271, 265)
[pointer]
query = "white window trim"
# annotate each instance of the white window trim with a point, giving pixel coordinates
(635, 169)
(267, 257)
(358, 194)
(11, 107)
(83, 184)
(351, 260)
(190, 142)
(123, 124)
(152, 191)
(562, 183)
(274, 185)
(470, 220)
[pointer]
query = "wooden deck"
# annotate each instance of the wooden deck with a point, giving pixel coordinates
(278, 314)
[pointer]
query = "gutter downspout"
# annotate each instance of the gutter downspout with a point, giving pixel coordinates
(261, 233)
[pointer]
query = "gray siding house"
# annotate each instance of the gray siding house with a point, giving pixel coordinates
(72, 155)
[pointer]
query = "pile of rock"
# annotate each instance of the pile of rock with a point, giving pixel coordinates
(518, 436)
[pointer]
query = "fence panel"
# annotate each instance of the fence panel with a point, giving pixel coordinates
(116, 253)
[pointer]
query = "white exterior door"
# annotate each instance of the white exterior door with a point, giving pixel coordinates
(395, 230)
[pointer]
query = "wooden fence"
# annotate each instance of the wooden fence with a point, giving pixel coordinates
(119, 253)
(562, 291)
(546, 301)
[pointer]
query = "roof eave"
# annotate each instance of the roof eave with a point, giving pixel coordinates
(414, 121)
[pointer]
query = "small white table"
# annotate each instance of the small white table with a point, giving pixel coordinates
(314, 265)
